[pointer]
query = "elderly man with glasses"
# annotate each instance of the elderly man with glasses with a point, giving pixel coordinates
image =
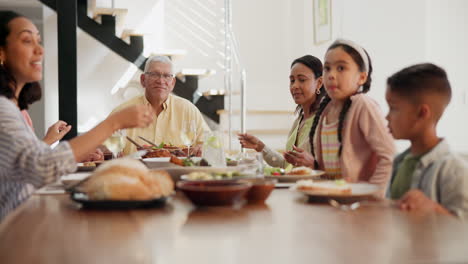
(171, 112)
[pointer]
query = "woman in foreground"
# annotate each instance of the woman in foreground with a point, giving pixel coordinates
(26, 161)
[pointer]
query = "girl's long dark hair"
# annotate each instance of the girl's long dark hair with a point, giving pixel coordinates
(315, 65)
(31, 92)
(365, 88)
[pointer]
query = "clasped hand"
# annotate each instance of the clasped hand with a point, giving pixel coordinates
(299, 157)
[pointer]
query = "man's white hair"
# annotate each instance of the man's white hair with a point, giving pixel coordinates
(158, 58)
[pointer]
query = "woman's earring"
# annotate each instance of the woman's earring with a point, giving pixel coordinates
(318, 91)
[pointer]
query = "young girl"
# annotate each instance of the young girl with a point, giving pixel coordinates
(305, 85)
(351, 140)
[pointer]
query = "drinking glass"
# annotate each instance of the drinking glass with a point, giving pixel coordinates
(116, 142)
(213, 149)
(251, 163)
(188, 134)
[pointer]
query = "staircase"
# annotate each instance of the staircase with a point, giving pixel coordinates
(105, 25)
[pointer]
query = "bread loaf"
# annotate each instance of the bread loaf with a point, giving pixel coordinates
(127, 179)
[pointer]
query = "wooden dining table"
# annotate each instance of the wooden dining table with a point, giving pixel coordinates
(285, 229)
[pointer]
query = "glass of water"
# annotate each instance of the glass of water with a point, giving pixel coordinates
(116, 142)
(213, 149)
(251, 163)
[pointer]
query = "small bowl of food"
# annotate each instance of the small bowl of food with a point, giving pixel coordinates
(260, 190)
(214, 193)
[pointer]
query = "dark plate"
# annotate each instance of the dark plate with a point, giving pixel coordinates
(82, 198)
(82, 167)
(85, 168)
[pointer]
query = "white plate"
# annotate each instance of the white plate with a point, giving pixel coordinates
(74, 178)
(359, 191)
(159, 159)
(293, 178)
(164, 162)
(158, 163)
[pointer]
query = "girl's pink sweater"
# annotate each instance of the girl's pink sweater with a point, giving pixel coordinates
(367, 145)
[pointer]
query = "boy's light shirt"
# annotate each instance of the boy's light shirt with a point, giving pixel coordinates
(442, 176)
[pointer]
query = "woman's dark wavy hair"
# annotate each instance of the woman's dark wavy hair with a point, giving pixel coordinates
(31, 92)
(315, 65)
(365, 88)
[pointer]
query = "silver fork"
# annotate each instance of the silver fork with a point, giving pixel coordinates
(344, 207)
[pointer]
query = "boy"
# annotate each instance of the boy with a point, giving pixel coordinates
(427, 177)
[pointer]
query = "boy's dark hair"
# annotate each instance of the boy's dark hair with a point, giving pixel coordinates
(365, 88)
(31, 92)
(315, 65)
(425, 78)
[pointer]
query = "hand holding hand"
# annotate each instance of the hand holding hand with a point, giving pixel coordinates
(299, 157)
(56, 132)
(251, 142)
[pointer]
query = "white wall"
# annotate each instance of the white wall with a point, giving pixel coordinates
(271, 34)
(446, 45)
(50, 88)
(393, 36)
(197, 27)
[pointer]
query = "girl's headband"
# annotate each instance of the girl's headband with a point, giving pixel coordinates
(357, 48)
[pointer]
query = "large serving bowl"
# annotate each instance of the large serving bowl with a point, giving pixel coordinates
(214, 193)
(260, 190)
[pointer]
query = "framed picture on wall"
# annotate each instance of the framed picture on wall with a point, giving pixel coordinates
(322, 21)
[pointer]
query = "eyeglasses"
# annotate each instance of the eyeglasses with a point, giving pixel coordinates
(157, 75)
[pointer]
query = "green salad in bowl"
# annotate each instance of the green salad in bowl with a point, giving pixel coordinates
(203, 176)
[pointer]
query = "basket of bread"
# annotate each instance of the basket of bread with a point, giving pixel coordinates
(123, 183)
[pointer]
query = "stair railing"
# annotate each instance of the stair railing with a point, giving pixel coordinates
(232, 50)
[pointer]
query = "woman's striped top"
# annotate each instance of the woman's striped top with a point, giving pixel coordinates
(25, 160)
